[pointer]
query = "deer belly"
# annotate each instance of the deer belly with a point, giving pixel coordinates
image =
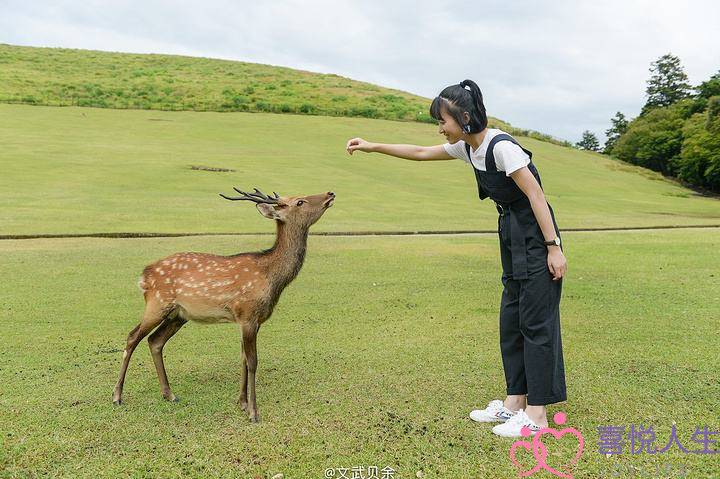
(206, 315)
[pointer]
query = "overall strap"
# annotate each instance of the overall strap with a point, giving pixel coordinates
(490, 156)
(481, 191)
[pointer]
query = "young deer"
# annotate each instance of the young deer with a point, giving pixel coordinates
(241, 288)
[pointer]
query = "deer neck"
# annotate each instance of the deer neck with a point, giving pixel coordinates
(286, 256)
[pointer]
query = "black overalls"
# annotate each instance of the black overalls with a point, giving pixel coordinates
(529, 310)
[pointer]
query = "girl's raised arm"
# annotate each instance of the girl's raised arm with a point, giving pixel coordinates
(407, 152)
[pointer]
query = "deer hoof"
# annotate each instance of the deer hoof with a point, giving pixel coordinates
(173, 398)
(117, 402)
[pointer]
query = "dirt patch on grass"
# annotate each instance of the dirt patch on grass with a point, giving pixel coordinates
(211, 168)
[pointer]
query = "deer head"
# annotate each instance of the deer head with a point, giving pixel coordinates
(303, 211)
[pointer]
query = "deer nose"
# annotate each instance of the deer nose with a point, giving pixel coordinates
(330, 193)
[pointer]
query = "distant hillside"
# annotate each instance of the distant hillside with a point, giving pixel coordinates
(67, 77)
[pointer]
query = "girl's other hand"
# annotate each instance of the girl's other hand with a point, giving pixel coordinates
(557, 264)
(358, 144)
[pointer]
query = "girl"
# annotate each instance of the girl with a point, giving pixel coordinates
(531, 254)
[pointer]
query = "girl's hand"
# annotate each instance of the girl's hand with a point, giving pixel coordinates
(358, 144)
(556, 262)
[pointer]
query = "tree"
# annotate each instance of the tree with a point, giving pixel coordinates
(667, 84)
(710, 87)
(654, 140)
(589, 142)
(619, 126)
(699, 160)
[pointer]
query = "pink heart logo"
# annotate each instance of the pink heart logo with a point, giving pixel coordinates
(538, 444)
(539, 450)
(530, 448)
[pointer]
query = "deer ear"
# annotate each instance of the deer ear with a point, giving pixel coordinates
(268, 211)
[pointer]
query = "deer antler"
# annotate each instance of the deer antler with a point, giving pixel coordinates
(257, 197)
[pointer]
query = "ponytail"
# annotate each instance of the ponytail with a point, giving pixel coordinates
(476, 94)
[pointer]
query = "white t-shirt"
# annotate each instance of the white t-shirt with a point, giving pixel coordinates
(509, 157)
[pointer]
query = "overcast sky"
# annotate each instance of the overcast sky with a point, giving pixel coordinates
(559, 67)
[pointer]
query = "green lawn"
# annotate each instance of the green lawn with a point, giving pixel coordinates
(85, 170)
(365, 361)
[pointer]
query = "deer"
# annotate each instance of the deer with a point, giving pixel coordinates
(241, 288)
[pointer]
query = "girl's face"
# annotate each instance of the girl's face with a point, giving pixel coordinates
(449, 127)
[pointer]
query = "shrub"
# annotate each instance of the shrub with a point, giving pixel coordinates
(308, 108)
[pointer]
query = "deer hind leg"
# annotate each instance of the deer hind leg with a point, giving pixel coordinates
(157, 340)
(154, 315)
(250, 360)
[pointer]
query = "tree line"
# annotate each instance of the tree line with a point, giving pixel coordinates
(677, 131)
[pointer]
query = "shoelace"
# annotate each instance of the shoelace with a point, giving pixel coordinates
(520, 417)
(493, 407)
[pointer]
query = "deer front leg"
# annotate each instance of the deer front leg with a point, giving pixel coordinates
(243, 390)
(250, 353)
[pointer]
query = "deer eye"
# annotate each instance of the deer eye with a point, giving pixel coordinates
(300, 202)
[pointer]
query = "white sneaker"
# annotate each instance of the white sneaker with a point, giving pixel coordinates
(494, 412)
(513, 426)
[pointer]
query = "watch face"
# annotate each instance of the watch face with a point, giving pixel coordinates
(555, 242)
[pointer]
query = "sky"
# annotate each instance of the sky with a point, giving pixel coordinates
(558, 67)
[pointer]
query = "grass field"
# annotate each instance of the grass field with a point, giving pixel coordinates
(86, 170)
(363, 363)
(381, 347)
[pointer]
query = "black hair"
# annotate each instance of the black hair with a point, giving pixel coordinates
(456, 100)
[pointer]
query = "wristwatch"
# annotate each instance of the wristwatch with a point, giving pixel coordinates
(554, 242)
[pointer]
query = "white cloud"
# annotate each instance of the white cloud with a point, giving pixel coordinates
(559, 67)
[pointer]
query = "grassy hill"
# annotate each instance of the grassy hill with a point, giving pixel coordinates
(89, 170)
(68, 77)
